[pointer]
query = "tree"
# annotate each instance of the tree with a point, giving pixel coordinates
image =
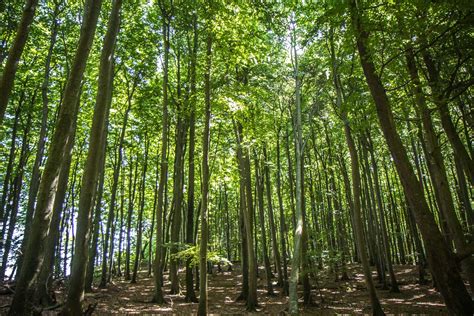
(62, 136)
(14, 55)
(206, 138)
(98, 137)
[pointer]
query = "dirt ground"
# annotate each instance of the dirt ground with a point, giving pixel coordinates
(330, 297)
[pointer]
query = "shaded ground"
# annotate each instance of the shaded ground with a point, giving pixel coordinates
(333, 297)
(347, 297)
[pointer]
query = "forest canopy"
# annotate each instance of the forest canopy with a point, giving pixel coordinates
(211, 156)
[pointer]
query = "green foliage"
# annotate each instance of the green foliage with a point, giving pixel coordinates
(190, 252)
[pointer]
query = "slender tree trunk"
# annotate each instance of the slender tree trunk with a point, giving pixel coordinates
(177, 200)
(140, 216)
(34, 254)
(116, 177)
(36, 173)
(463, 193)
(373, 222)
(206, 138)
(360, 239)
(158, 293)
(291, 179)
(260, 189)
(243, 245)
(442, 262)
(132, 184)
(44, 288)
(276, 252)
(8, 77)
(386, 244)
(298, 231)
(393, 206)
(152, 228)
(96, 225)
(122, 224)
(190, 294)
(98, 137)
(283, 230)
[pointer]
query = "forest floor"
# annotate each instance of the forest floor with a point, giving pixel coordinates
(330, 297)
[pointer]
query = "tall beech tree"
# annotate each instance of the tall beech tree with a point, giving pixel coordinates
(96, 150)
(206, 139)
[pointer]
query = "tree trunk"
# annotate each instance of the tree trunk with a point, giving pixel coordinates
(36, 173)
(158, 293)
(202, 309)
(140, 216)
(259, 183)
(8, 77)
(442, 262)
(45, 277)
(359, 230)
(96, 225)
(132, 184)
(116, 176)
(98, 136)
(244, 168)
(190, 294)
(178, 184)
(386, 244)
(243, 244)
(276, 252)
(67, 115)
(283, 230)
(298, 230)
(358, 225)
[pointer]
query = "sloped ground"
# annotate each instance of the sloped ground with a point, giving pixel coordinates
(330, 297)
